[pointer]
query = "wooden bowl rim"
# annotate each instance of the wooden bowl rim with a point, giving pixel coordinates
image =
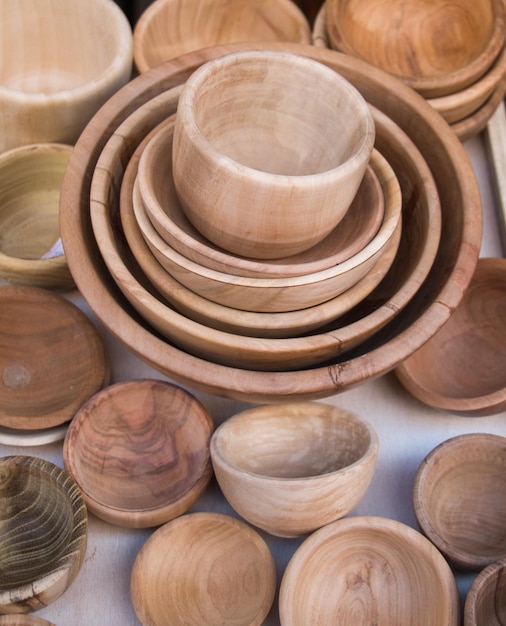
(489, 573)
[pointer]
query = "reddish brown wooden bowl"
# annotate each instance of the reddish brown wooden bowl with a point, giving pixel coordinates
(486, 599)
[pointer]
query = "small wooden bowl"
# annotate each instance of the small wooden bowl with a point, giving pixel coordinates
(52, 359)
(30, 246)
(461, 368)
(203, 567)
(238, 177)
(43, 534)
(486, 599)
(139, 451)
(459, 499)
(359, 226)
(292, 468)
(23, 620)
(65, 60)
(368, 570)
(436, 48)
(169, 28)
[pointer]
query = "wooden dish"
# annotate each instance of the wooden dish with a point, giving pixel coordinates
(459, 502)
(486, 599)
(477, 122)
(368, 570)
(169, 28)
(52, 359)
(44, 527)
(65, 59)
(23, 620)
(437, 49)
(238, 177)
(203, 567)
(420, 319)
(311, 463)
(156, 186)
(139, 451)
(461, 368)
(30, 438)
(30, 246)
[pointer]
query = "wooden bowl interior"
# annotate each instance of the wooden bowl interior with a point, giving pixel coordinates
(137, 447)
(458, 499)
(231, 576)
(486, 599)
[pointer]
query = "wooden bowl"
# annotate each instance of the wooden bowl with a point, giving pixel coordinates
(65, 59)
(139, 451)
(477, 122)
(203, 566)
(169, 28)
(368, 570)
(461, 368)
(30, 247)
(23, 620)
(420, 319)
(459, 500)
(238, 178)
(435, 48)
(43, 533)
(156, 186)
(292, 468)
(486, 599)
(52, 359)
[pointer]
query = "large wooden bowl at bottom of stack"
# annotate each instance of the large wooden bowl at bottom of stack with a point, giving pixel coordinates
(414, 325)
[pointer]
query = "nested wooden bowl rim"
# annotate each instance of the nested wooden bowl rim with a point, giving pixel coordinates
(487, 578)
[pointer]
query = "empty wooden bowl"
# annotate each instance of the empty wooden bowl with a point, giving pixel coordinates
(436, 48)
(169, 28)
(43, 533)
(238, 177)
(459, 499)
(139, 451)
(293, 467)
(156, 187)
(485, 602)
(62, 60)
(30, 247)
(368, 570)
(52, 359)
(203, 568)
(461, 368)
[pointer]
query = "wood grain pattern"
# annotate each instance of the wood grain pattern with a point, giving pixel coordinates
(485, 602)
(495, 136)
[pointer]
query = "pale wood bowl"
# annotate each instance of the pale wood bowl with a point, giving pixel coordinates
(436, 48)
(485, 602)
(23, 620)
(169, 28)
(44, 526)
(292, 468)
(461, 368)
(368, 570)
(52, 359)
(421, 318)
(238, 177)
(139, 451)
(203, 567)
(63, 60)
(30, 246)
(359, 226)
(459, 499)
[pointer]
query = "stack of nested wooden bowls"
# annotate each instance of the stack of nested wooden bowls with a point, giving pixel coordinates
(254, 319)
(451, 53)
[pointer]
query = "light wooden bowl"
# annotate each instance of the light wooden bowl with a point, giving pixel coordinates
(23, 620)
(368, 570)
(421, 318)
(65, 59)
(292, 468)
(169, 28)
(486, 599)
(461, 368)
(43, 533)
(436, 48)
(477, 122)
(52, 359)
(161, 204)
(459, 502)
(203, 567)
(30, 246)
(139, 451)
(239, 179)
